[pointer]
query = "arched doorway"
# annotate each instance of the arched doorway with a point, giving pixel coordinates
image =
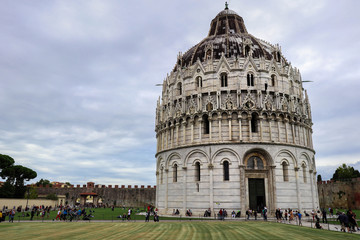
(259, 181)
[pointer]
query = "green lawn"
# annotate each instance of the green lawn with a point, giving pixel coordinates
(165, 230)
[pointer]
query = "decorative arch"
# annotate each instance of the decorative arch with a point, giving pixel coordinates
(226, 150)
(193, 152)
(304, 157)
(289, 153)
(171, 157)
(266, 156)
(159, 161)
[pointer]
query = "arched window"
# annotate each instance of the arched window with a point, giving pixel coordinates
(224, 80)
(304, 173)
(206, 124)
(198, 82)
(254, 122)
(273, 80)
(247, 50)
(226, 171)
(179, 88)
(175, 173)
(250, 80)
(285, 168)
(197, 171)
(208, 54)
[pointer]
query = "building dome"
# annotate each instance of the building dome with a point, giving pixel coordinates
(234, 127)
(228, 35)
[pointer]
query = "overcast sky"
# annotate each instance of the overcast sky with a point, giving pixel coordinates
(77, 78)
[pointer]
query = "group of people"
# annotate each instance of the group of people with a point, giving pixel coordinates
(10, 214)
(249, 213)
(70, 214)
(348, 221)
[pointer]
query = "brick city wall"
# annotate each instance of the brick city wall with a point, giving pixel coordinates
(122, 196)
(336, 194)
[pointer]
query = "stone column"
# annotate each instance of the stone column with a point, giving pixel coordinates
(192, 130)
(286, 130)
(293, 131)
(250, 134)
(240, 128)
(157, 189)
(278, 126)
(210, 130)
(211, 190)
(270, 130)
(297, 187)
(172, 136)
(261, 128)
(184, 132)
(230, 130)
(200, 125)
(166, 190)
(184, 189)
(243, 195)
(272, 189)
(312, 188)
(167, 138)
(219, 120)
(177, 133)
(302, 132)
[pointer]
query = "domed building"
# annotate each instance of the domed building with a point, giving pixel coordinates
(234, 127)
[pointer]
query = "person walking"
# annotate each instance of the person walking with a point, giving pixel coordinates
(324, 218)
(11, 215)
(299, 217)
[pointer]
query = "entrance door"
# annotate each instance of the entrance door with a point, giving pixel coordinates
(256, 194)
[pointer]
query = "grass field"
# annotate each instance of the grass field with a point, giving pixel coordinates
(165, 230)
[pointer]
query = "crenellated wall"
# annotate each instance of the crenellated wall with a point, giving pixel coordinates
(124, 196)
(338, 194)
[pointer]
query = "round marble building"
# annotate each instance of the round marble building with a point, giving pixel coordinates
(234, 127)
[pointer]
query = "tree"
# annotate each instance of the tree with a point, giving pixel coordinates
(345, 172)
(15, 176)
(43, 182)
(319, 178)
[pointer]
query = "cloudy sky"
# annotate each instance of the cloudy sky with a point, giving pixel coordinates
(77, 78)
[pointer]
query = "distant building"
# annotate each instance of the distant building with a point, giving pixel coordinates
(234, 127)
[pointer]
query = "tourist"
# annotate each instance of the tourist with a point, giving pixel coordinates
(147, 216)
(299, 217)
(248, 214)
(129, 214)
(156, 217)
(1, 215)
(11, 215)
(233, 214)
(286, 214)
(324, 218)
(265, 213)
(344, 221)
(32, 213)
(317, 225)
(255, 214)
(352, 221)
(291, 215)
